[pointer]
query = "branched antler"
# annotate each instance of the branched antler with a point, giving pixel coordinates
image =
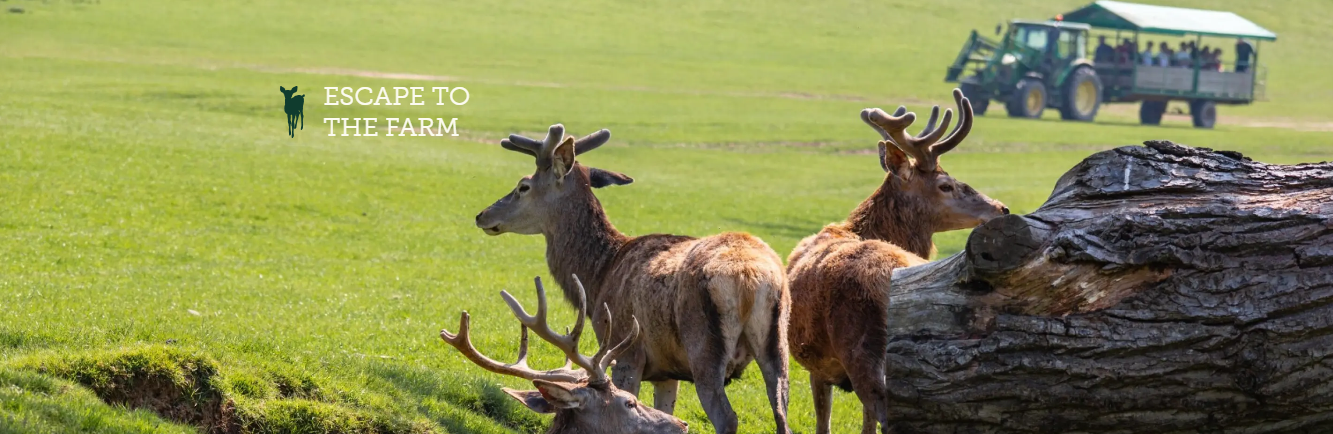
(592, 370)
(927, 146)
(542, 149)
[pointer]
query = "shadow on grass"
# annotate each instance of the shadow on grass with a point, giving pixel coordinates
(1113, 123)
(458, 403)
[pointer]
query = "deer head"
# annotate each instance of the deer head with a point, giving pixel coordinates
(583, 400)
(287, 93)
(948, 203)
(540, 198)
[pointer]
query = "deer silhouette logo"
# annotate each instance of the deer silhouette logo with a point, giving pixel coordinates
(295, 108)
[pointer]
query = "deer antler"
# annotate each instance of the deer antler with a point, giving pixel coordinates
(959, 132)
(542, 149)
(593, 370)
(926, 147)
(463, 342)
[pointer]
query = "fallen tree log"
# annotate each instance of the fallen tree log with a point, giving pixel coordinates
(1160, 289)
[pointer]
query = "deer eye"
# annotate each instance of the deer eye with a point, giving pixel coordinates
(630, 404)
(523, 188)
(946, 188)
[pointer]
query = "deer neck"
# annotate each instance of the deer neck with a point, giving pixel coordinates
(565, 423)
(889, 215)
(583, 243)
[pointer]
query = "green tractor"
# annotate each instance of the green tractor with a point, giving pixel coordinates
(1045, 64)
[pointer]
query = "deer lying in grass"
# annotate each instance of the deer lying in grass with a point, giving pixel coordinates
(840, 277)
(709, 305)
(582, 399)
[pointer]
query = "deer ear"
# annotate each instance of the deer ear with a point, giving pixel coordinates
(282, 89)
(602, 178)
(532, 399)
(294, 88)
(562, 157)
(559, 395)
(894, 160)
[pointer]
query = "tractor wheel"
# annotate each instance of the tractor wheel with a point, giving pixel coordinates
(1150, 112)
(1204, 113)
(1083, 96)
(980, 101)
(1028, 100)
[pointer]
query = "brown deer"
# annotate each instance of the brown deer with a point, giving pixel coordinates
(582, 399)
(840, 277)
(709, 305)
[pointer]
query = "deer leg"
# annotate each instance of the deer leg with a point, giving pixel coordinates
(765, 338)
(627, 374)
(664, 395)
(710, 376)
(709, 346)
(823, 397)
(871, 389)
(862, 346)
(869, 382)
(302, 115)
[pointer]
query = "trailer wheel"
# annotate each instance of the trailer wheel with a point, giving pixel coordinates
(1150, 112)
(1204, 113)
(1082, 96)
(980, 101)
(1028, 100)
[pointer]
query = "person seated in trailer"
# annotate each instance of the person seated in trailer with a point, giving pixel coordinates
(1164, 54)
(1209, 58)
(1146, 56)
(1217, 59)
(1243, 53)
(1182, 56)
(1126, 51)
(1104, 52)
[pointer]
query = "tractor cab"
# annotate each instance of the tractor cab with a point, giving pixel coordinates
(1037, 56)
(1048, 45)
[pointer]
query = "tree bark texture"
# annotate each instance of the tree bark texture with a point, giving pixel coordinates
(1160, 289)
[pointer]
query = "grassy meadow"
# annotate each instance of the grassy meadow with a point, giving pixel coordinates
(160, 231)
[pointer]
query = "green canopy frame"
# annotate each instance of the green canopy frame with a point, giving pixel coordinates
(1167, 20)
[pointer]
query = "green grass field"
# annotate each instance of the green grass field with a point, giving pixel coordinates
(158, 228)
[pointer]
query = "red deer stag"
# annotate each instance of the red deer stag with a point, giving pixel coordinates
(710, 305)
(582, 399)
(840, 276)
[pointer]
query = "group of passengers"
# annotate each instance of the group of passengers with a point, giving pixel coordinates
(1188, 55)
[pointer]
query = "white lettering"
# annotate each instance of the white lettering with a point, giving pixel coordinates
(451, 128)
(416, 96)
(466, 96)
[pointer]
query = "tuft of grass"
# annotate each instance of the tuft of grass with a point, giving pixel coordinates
(34, 403)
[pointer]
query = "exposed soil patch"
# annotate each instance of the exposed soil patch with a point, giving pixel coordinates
(176, 385)
(194, 403)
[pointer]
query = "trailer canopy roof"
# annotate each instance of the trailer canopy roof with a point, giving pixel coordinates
(1167, 20)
